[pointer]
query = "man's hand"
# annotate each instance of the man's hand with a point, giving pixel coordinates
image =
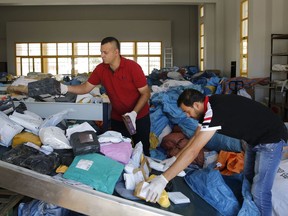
(132, 116)
(155, 188)
(63, 88)
(168, 162)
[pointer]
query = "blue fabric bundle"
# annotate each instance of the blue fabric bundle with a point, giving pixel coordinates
(210, 185)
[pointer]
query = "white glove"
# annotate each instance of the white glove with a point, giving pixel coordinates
(168, 162)
(132, 116)
(63, 88)
(155, 188)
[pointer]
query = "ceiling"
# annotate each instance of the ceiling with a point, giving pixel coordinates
(100, 2)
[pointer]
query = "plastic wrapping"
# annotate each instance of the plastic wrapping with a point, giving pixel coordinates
(84, 142)
(8, 129)
(54, 137)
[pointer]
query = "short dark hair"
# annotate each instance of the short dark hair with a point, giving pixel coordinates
(109, 40)
(189, 96)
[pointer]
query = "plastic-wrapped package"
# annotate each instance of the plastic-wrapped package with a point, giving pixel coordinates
(54, 137)
(8, 129)
(28, 120)
(55, 119)
(44, 86)
(42, 163)
(84, 142)
(18, 154)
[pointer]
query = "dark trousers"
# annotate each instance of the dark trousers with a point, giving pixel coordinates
(142, 132)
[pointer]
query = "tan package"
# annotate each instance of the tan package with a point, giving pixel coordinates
(145, 168)
(142, 192)
(20, 89)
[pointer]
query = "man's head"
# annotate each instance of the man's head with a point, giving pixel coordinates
(110, 50)
(191, 102)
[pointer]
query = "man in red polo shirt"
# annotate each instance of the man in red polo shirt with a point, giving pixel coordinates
(126, 87)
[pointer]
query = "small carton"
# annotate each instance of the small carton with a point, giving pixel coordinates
(128, 124)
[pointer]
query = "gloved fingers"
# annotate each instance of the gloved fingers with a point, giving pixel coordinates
(63, 88)
(157, 197)
(151, 197)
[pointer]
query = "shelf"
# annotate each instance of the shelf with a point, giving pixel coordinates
(276, 71)
(275, 88)
(279, 54)
(279, 36)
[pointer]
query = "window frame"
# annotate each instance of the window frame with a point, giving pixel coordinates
(244, 38)
(75, 54)
(201, 39)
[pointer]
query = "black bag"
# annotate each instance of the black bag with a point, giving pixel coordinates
(84, 142)
(44, 86)
(7, 105)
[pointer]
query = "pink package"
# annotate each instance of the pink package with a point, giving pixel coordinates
(120, 152)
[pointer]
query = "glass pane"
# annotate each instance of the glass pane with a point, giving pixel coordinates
(244, 9)
(37, 65)
(94, 48)
(154, 62)
(34, 49)
(202, 41)
(64, 66)
(64, 49)
(80, 48)
(244, 46)
(81, 65)
(49, 49)
(201, 65)
(49, 66)
(18, 66)
(202, 29)
(244, 65)
(201, 53)
(127, 48)
(154, 48)
(142, 48)
(93, 62)
(25, 66)
(201, 11)
(22, 49)
(244, 28)
(144, 63)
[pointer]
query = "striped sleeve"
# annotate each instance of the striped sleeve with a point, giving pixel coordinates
(207, 120)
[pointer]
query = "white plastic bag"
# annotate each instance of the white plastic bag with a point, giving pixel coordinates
(85, 126)
(54, 137)
(56, 118)
(28, 120)
(8, 129)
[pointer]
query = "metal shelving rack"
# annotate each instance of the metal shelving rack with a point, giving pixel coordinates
(276, 57)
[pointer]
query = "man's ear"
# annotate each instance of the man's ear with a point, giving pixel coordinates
(196, 105)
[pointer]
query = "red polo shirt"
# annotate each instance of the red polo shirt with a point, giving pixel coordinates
(121, 86)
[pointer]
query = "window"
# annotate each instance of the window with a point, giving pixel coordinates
(81, 57)
(201, 45)
(244, 38)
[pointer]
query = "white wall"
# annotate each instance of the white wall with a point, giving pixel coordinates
(85, 30)
(183, 24)
(210, 37)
